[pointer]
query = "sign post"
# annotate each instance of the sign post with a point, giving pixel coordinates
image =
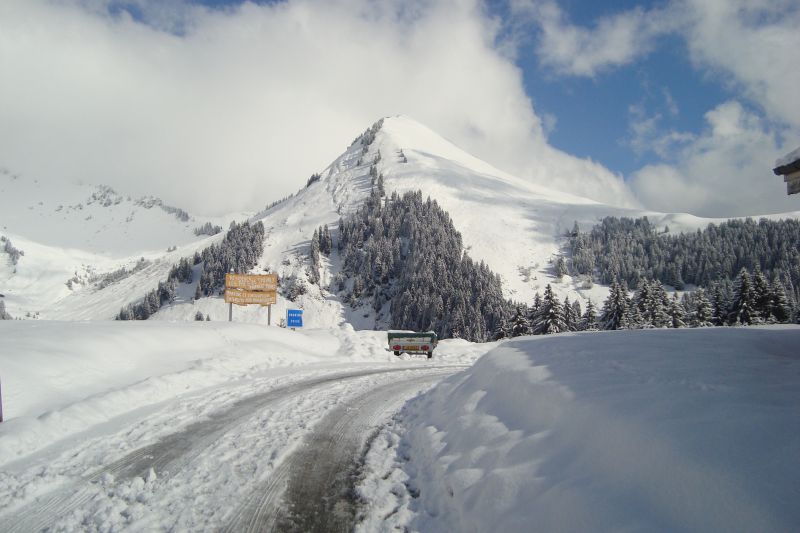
(247, 289)
(294, 318)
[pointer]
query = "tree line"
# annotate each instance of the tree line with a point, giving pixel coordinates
(239, 251)
(629, 250)
(750, 300)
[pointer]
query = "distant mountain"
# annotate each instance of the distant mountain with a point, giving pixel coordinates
(77, 240)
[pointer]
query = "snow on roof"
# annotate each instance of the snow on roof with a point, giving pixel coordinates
(788, 159)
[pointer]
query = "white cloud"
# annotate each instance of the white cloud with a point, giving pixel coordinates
(726, 171)
(751, 43)
(751, 46)
(648, 135)
(232, 109)
(574, 50)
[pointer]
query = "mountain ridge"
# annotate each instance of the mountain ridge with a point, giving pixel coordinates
(516, 227)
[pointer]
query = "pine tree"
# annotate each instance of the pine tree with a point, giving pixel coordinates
(502, 331)
(676, 312)
(533, 314)
(762, 297)
(743, 305)
(589, 319)
(198, 316)
(719, 306)
(614, 308)
(633, 318)
(313, 274)
(551, 315)
(519, 323)
(779, 303)
(560, 267)
(197, 292)
(660, 307)
(3, 314)
(703, 311)
(569, 316)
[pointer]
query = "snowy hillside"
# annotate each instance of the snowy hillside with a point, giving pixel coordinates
(514, 226)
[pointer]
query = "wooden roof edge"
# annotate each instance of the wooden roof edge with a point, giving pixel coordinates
(788, 168)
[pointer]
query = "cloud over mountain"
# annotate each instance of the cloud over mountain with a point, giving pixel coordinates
(219, 109)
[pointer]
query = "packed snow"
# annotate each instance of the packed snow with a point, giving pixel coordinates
(667, 430)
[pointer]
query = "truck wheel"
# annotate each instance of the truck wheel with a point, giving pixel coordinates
(396, 352)
(430, 355)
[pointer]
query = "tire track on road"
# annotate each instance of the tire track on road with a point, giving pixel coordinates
(174, 452)
(312, 490)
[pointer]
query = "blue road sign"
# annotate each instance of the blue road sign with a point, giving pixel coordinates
(294, 318)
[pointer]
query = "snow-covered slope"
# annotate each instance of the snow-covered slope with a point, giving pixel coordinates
(516, 227)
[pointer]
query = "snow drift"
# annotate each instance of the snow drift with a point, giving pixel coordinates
(672, 430)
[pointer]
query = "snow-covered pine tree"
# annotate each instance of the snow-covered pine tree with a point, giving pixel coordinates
(703, 312)
(379, 186)
(502, 331)
(3, 313)
(570, 318)
(560, 267)
(719, 305)
(533, 311)
(614, 308)
(779, 304)
(198, 316)
(313, 271)
(550, 318)
(676, 312)
(660, 307)
(761, 297)
(743, 305)
(577, 312)
(633, 318)
(519, 323)
(589, 318)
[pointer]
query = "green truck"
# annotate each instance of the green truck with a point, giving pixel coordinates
(412, 342)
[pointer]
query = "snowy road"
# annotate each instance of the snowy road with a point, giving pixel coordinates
(284, 456)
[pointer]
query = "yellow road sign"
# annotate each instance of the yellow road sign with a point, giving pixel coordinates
(252, 282)
(250, 297)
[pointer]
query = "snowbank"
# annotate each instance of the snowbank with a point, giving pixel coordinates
(60, 378)
(632, 430)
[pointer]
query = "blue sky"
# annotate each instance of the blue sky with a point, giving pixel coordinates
(675, 105)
